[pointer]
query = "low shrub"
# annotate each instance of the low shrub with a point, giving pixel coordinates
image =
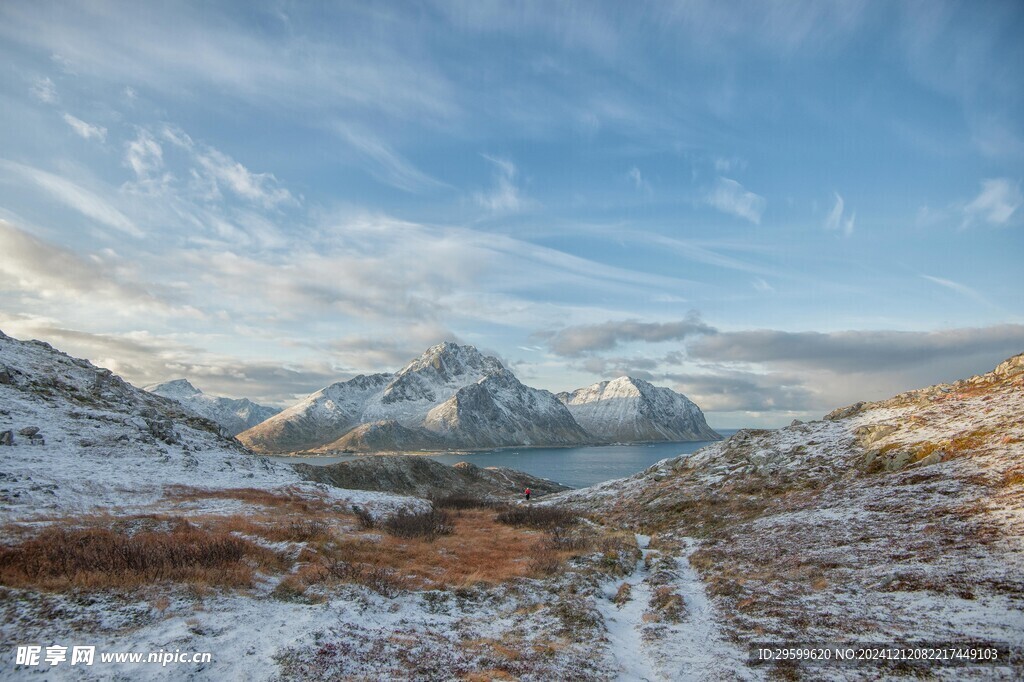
(102, 558)
(427, 525)
(365, 518)
(377, 578)
(461, 502)
(544, 518)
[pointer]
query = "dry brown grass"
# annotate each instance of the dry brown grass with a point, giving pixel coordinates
(95, 558)
(323, 544)
(480, 550)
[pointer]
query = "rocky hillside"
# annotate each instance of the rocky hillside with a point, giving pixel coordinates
(75, 436)
(452, 396)
(233, 415)
(627, 410)
(888, 521)
(424, 477)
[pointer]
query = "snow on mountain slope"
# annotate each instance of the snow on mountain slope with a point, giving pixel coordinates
(452, 396)
(900, 520)
(84, 439)
(632, 410)
(320, 418)
(500, 410)
(234, 415)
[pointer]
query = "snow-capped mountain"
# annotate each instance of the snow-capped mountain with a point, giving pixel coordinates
(452, 396)
(627, 410)
(234, 415)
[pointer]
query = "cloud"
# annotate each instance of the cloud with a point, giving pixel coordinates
(261, 188)
(638, 181)
(78, 198)
(389, 353)
(505, 197)
(85, 130)
(44, 90)
(39, 269)
(729, 196)
(995, 204)
(761, 285)
(388, 165)
(961, 289)
(144, 155)
(858, 351)
(196, 56)
(836, 220)
(578, 340)
(738, 391)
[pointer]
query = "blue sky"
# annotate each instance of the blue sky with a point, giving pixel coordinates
(775, 208)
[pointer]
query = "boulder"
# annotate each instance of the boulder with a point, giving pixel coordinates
(29, 431)
(7, 438)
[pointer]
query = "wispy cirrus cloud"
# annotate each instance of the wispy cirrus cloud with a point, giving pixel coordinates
(729, 196)
(387, 165)
(68, 193)
(837, 220)
(995, 204)
(44, 90)
(505, 196)
(86, 131)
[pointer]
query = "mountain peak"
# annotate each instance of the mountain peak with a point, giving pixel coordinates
(451, 359)
(175, 388)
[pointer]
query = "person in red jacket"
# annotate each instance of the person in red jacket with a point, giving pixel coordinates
(527, 494)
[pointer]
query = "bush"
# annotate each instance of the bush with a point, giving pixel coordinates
(428, 525)
(545, 518)
(307, 529)
(366, 520)
(377, 578)
(103, 558)
(461, 502)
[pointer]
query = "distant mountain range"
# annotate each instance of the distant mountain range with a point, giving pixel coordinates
(454, 397)
(233, 415)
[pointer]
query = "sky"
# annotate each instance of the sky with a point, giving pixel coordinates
(776, 208)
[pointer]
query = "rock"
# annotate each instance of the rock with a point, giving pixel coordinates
(5, 376)
(933, 458)
(796, 422)
(7, 438)
(867, 435)
(845, 412)
(898, 461)
(29, 431)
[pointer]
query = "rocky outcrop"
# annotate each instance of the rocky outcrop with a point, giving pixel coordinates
(629, 410)
(425, 477)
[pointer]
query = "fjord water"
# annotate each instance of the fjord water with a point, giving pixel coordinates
(575, 467)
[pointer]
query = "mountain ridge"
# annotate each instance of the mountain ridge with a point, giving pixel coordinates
(233, 414)
(454, 397)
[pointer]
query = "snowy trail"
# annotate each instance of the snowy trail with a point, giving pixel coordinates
(700, 651)
(625, 634)
(692, 650)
